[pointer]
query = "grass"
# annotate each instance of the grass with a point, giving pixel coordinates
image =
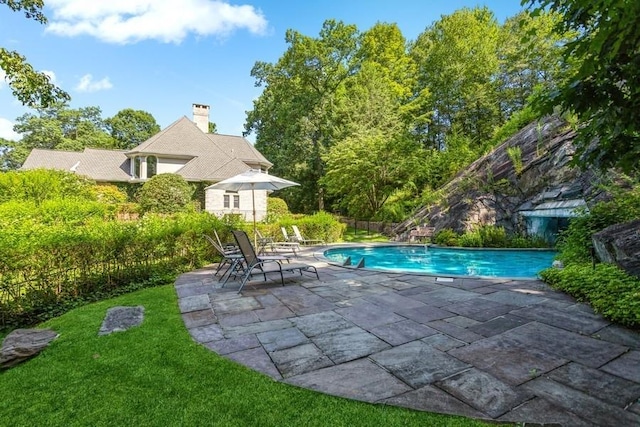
(352, 235)
(156, 375)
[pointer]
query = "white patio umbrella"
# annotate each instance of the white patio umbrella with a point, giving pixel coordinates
(253, 180)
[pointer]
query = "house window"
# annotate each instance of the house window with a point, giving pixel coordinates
(152, 166)
(236, 201)
(137, 162)
(226, 201)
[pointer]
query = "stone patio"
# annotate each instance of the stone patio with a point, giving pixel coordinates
(502, 350)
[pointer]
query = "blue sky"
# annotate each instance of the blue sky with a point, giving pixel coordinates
(161, 56)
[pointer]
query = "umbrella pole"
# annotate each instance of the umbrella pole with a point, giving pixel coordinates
(255, 234)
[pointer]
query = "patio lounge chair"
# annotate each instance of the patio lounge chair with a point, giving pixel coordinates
(267, 243)
(255, 265)
(298, 237)
(231, 256)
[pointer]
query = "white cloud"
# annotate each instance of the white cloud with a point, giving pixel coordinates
(87, 84)
(6, 130)
(168, 21)
(51, 75)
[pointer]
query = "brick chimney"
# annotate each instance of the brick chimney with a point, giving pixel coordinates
(201, 117)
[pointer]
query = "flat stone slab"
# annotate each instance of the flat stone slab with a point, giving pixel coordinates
(462, 334)
(418, 364)
(479, 309)
(424, 313)
(199, 318)
(513, 297)
(576, 321)
(119, 319)
(281, 339)
(589, 408)
(484, 392)
(194, 303)
(543, 412)
(231, 345)
(358, 380)
(368, 315)
(256, 359)
(321, 323)
(302, 301)
(207, 333)
(393, 301)
(237, 319)
(498, 325)
(626, 366)
(298, 360)
(348, 344)
(235, 305)
(402, 332)
(619, 335)
(565, 344)
(610, 388)
(508, 360)
(256, 328)
(432, 399)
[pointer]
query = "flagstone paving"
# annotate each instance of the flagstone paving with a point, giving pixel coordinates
(503, 350)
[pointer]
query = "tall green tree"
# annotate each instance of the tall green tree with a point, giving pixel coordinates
(604, 89)
(530, 58)
(131, 127)
(30, 87)
(293, 117)
(376, 156)
(457, 63)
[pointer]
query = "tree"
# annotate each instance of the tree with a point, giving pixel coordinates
(56, 128)
(131, 127)
(213, 128)
(457, 62)
(604, 89)
(165, 193)
(530, 58)
(377, 157)
(294, 116)
(29, 86)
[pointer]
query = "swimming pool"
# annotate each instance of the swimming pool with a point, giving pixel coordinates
(515, 263)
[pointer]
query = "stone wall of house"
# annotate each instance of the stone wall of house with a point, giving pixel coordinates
(493, 188)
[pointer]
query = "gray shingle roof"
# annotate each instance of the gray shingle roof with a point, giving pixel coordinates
(211, 157)
(101, 165)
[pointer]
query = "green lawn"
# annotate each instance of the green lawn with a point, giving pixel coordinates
(155, 375)
(351, 235)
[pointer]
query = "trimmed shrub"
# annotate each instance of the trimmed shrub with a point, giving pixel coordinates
(165, 193)
(47, 266)
(38, 185)
(107, 193)
(276, 209)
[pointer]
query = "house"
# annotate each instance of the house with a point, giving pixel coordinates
(185, 148)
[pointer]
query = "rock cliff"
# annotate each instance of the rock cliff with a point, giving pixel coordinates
(528, 172)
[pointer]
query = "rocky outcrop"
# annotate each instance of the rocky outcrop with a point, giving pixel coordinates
(528, 170)
(620, 244)
(23, 344)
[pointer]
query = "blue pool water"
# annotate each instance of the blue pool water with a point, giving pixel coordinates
(448, 261)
